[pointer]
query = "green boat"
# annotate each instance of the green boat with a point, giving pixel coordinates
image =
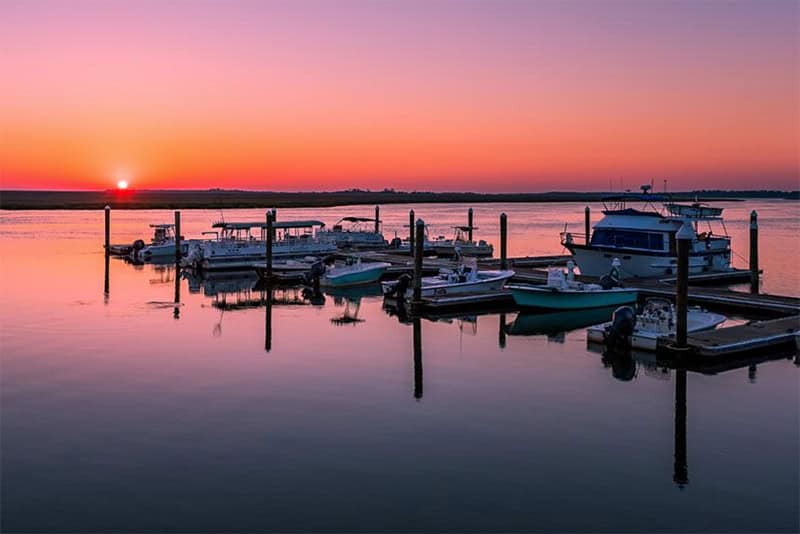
(575, 296)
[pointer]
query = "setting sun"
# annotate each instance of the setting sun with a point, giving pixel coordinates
(122, 184)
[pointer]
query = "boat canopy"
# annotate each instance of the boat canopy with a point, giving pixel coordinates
(635, 196)
(357, 219)
(466, 228)
(162, 225)
(695, 211)
(262, 224)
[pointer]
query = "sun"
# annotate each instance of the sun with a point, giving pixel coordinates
(122, 184)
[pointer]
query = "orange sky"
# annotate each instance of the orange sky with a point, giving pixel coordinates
(485, 96)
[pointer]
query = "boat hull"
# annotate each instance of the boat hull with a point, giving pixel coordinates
(543, 297)
(596, 262)
(488, 281)
(362, 276)
(697, 321)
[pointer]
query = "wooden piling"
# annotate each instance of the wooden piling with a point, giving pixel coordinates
(680, 472)
(418, 255)
(754, 281)
(469, 224)
(108, 230)
(417, 358)
(684, 242)
(268, 251)
(587, 223)
(503, 241)
(411, 232)
(377, 219)
(178, 254)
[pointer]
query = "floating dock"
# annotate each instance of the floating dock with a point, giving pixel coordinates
(736, 340)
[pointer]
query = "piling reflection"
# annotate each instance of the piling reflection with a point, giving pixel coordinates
(681, 469)
(268, 321)
(417, 358)
(501, 336)
(176, 312)
(106, 278)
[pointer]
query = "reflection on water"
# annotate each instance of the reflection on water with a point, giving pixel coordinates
(263, 409)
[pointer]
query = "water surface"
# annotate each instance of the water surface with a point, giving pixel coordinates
(119, 414)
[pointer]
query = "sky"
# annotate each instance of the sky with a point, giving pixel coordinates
(491, 95)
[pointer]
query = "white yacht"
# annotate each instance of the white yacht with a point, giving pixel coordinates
(349, 232)
(236, 246)
(644, 239)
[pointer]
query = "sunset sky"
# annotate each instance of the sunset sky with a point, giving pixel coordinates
(526, 95)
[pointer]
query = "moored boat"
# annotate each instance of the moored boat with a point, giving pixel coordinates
(463, 279)
(162, 244)
(354, 232)
(644, 239)
(353, 274)
(657, 319)
(565, 293)
(461, 244)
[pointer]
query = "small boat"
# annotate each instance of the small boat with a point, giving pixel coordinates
(354, 232)
(463, 279)
(461, 244)
(657, 319)
(565, 293)
(162, 244)
(353, 274)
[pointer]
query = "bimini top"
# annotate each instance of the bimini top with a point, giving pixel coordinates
(635, 196)
(263, 224)
(465, 228)
(162, 225)
(357, 219)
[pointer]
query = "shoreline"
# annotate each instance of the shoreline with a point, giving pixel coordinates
(17, 200)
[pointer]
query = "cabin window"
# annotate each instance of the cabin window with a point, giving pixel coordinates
(628, 239)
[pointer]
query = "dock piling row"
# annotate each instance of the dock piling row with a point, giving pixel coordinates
(177, 239)
(411, 232)
(469, 224)
(270, 229)
(418, 254)
(587, 223)
(108, 230)
(684, 242)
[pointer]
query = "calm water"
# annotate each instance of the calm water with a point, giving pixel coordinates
(117, 415)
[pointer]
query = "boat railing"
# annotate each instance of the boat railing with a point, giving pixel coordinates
(567, 238)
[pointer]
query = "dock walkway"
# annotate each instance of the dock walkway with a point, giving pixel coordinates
(734, 340)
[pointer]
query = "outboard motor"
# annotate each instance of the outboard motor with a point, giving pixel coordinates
(622, 324)
(398, 291)
(315, 273)
(138, 245)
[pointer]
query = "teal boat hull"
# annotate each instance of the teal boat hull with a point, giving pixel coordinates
(541, 297)
(367, 276)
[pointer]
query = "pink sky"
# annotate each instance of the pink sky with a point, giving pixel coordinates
(484, 96)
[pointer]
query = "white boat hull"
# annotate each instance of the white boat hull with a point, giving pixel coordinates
(594, 262)
(436, 287)
(696, 321)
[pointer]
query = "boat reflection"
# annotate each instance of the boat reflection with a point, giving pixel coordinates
(350, 299)
(555, 324)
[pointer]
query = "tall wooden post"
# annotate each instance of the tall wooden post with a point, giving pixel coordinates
(684, 238)
(754, 281)
(108, 230)
(680, 472)
(177, 239)
(469, 224)
(268, 251)
(418, 261)
(377, 219)
(503, 241)
(417, 358)
(587, 223)
(411, 232)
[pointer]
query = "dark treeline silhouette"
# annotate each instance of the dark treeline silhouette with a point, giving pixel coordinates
(230, 198)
